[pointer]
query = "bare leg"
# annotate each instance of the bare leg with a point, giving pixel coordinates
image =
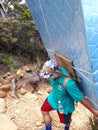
(47, 118)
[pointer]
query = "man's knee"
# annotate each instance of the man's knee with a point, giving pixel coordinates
(46, 114)
(43, 112)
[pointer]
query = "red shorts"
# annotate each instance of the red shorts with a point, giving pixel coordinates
(65, 119)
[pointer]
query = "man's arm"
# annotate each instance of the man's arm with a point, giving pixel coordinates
(77, 95)
(87, 104)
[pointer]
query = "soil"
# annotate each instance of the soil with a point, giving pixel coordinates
(23, 113)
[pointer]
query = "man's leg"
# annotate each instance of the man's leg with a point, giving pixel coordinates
(65, 119)
(45, 109)
(47, 119)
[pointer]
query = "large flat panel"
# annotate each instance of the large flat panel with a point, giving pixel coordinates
(70, 27)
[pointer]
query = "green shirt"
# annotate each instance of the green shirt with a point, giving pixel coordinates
(66, 96)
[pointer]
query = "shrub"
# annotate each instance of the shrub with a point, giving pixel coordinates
(9, 62)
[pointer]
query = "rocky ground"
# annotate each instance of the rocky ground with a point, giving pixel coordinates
(23, 113)
(20, 110)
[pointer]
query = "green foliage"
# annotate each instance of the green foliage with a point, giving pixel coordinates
(18, 11)
(21, 38)
(9, 62)
(17, 6)
(25, 16)
(39, 63)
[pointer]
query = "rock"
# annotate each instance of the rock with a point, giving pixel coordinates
(1, 80)
(29, 96)
(6, 81)
(31, 78)
(10, 77)
(2, 105)
(23, 91)
(5, 87)
(35, 128)
(6, 123)
(26, 68)
(40, 92)
(20, 83)
(20, 73)
(38, 123)
(28, 87)
(7, 74)
(2, 94)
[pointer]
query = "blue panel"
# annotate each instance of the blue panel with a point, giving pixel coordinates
(94, 39)
(70, 27)
(94, 64)
(96, 77)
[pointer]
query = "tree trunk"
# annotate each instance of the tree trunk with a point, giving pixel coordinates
(2, 10)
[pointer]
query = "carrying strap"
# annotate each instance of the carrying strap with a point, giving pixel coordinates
(65, 81)
(49, 70)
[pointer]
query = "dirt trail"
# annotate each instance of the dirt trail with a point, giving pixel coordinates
(23, 113)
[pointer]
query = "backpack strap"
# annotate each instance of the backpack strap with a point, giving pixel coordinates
(65, 81)
(59, 74)
(64, 85)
